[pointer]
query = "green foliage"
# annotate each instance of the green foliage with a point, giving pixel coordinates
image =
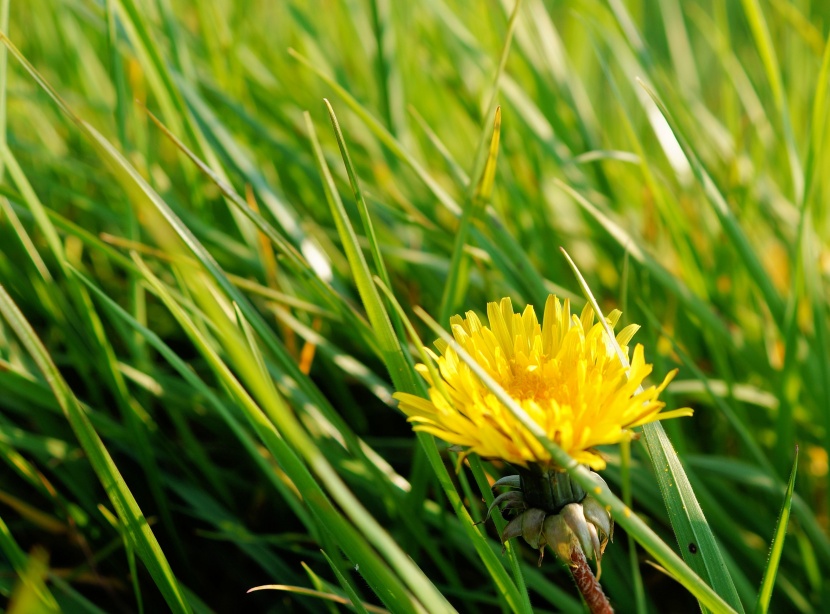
(209, 275)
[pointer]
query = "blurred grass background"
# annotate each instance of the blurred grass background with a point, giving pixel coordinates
(707, 224)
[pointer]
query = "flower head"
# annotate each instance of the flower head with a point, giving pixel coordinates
(564, 373)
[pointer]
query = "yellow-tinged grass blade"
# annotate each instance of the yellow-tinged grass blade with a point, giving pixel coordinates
(136, 528)
(31, 587)
(30, 595)
(326, 596)
(455, 288)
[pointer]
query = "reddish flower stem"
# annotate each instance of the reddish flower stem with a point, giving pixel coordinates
(588, 585)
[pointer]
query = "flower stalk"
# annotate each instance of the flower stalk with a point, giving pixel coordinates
(588, 584)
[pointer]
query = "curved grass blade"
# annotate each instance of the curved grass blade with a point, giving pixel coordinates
(389, 347)
(136, 527)
(325, 596)
(777, 547)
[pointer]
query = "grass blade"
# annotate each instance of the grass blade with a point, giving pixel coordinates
(777, 547)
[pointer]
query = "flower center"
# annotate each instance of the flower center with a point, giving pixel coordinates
(528, 384)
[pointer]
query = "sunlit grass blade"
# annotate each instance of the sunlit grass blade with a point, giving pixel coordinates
(390, 349)
(455, 288)
(137, 529)
(777, 546)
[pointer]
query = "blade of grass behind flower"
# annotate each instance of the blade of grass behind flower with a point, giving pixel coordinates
(694, 535)
(622, 514)
(455, 288)
(369, 232)
(777, 546)
(135, 525)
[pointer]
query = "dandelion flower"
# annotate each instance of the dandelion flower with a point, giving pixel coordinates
(564, 373)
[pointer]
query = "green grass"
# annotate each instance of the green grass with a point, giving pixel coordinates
(210, 280)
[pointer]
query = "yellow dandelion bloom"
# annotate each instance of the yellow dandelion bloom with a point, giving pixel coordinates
(564, 373)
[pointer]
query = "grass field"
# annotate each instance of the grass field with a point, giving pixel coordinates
(209, 282)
